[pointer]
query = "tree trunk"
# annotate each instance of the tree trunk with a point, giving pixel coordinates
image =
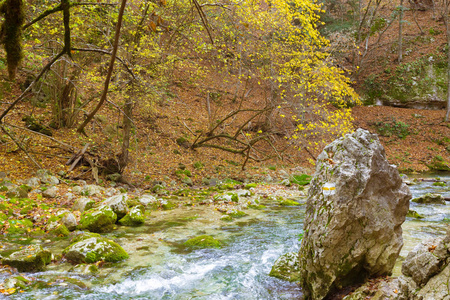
(447, 27)
(400, 33)
(110, 69)
(127, 117)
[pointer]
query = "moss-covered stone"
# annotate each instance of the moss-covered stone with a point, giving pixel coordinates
(135, 217)
(250, 185)
(414, 214)
(287, 202)
(167, 205)
(430, 198)
(100, 219)
(439, 183)
(30, 258)
(234, 213)
(228, 197)
(226, 218)
(95, 249)
(203, 241)
(286, 267)
(57, 229)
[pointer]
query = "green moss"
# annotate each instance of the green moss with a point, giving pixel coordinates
(95, 249)
(250, 185)
(135, 217)
(287, 202)
(414, 214)
(98, 220)
(257, 206)
(236, 213)
(440, 183)
(168, 205)
(30, 258)
(226, 218)
(203, 241)
(59, 230)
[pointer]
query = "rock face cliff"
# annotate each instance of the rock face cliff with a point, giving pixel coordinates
(356, 205)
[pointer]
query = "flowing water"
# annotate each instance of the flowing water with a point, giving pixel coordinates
(159, 268)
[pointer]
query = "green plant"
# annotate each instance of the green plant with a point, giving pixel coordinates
(393, 128)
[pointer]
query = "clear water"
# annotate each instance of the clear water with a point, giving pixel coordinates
(159, 269)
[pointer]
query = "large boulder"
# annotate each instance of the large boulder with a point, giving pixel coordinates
(135, 217)
(28, 259)
(356, 205)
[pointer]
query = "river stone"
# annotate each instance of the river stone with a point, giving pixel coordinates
(356, 232)
(430, 198)
(82, 204)
(94, 249)
(135, 216)
(101, 219)
(118, 204)
(30, 258)
(286, 267)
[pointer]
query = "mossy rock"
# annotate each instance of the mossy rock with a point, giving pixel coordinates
(57, 229)
(259, 207)
(287, 202)
(135, 217)
(30, 258)
(430, 198)
(287, 267)
(167, 205)
(100, 219)
(228, 197)
(414, 214)
(78, 236)
(203, 241)
(95, 249)
(234, 213)
(226, 218)
(250, 185)
(439, 183)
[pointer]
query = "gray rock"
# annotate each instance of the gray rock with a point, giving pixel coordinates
(18, 192)
(77, 189)
(353, 224)
(28, 259)
(430, 198)
(187, 181)
(147, 199)
(436, 288)
(82, 204)
(286, 267)
(92, 190)
(69, 220)
(69, 196)
(118, 204)
(421, 263)
(379, 288)
(50, 192)
(111, 192)
(33, 182)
